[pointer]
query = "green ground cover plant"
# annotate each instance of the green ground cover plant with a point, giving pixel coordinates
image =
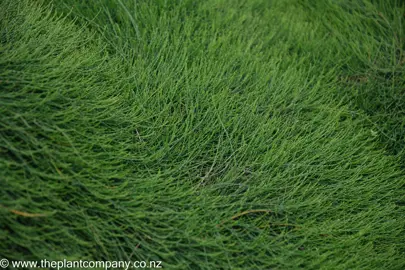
(218, 134)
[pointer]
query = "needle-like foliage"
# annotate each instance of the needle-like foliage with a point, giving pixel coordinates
(218, 134)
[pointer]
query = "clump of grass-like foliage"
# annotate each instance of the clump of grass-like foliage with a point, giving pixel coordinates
(205, 134)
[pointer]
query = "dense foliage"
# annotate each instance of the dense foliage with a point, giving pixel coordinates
(218, 134)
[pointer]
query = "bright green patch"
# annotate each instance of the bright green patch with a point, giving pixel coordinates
(203, 134)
